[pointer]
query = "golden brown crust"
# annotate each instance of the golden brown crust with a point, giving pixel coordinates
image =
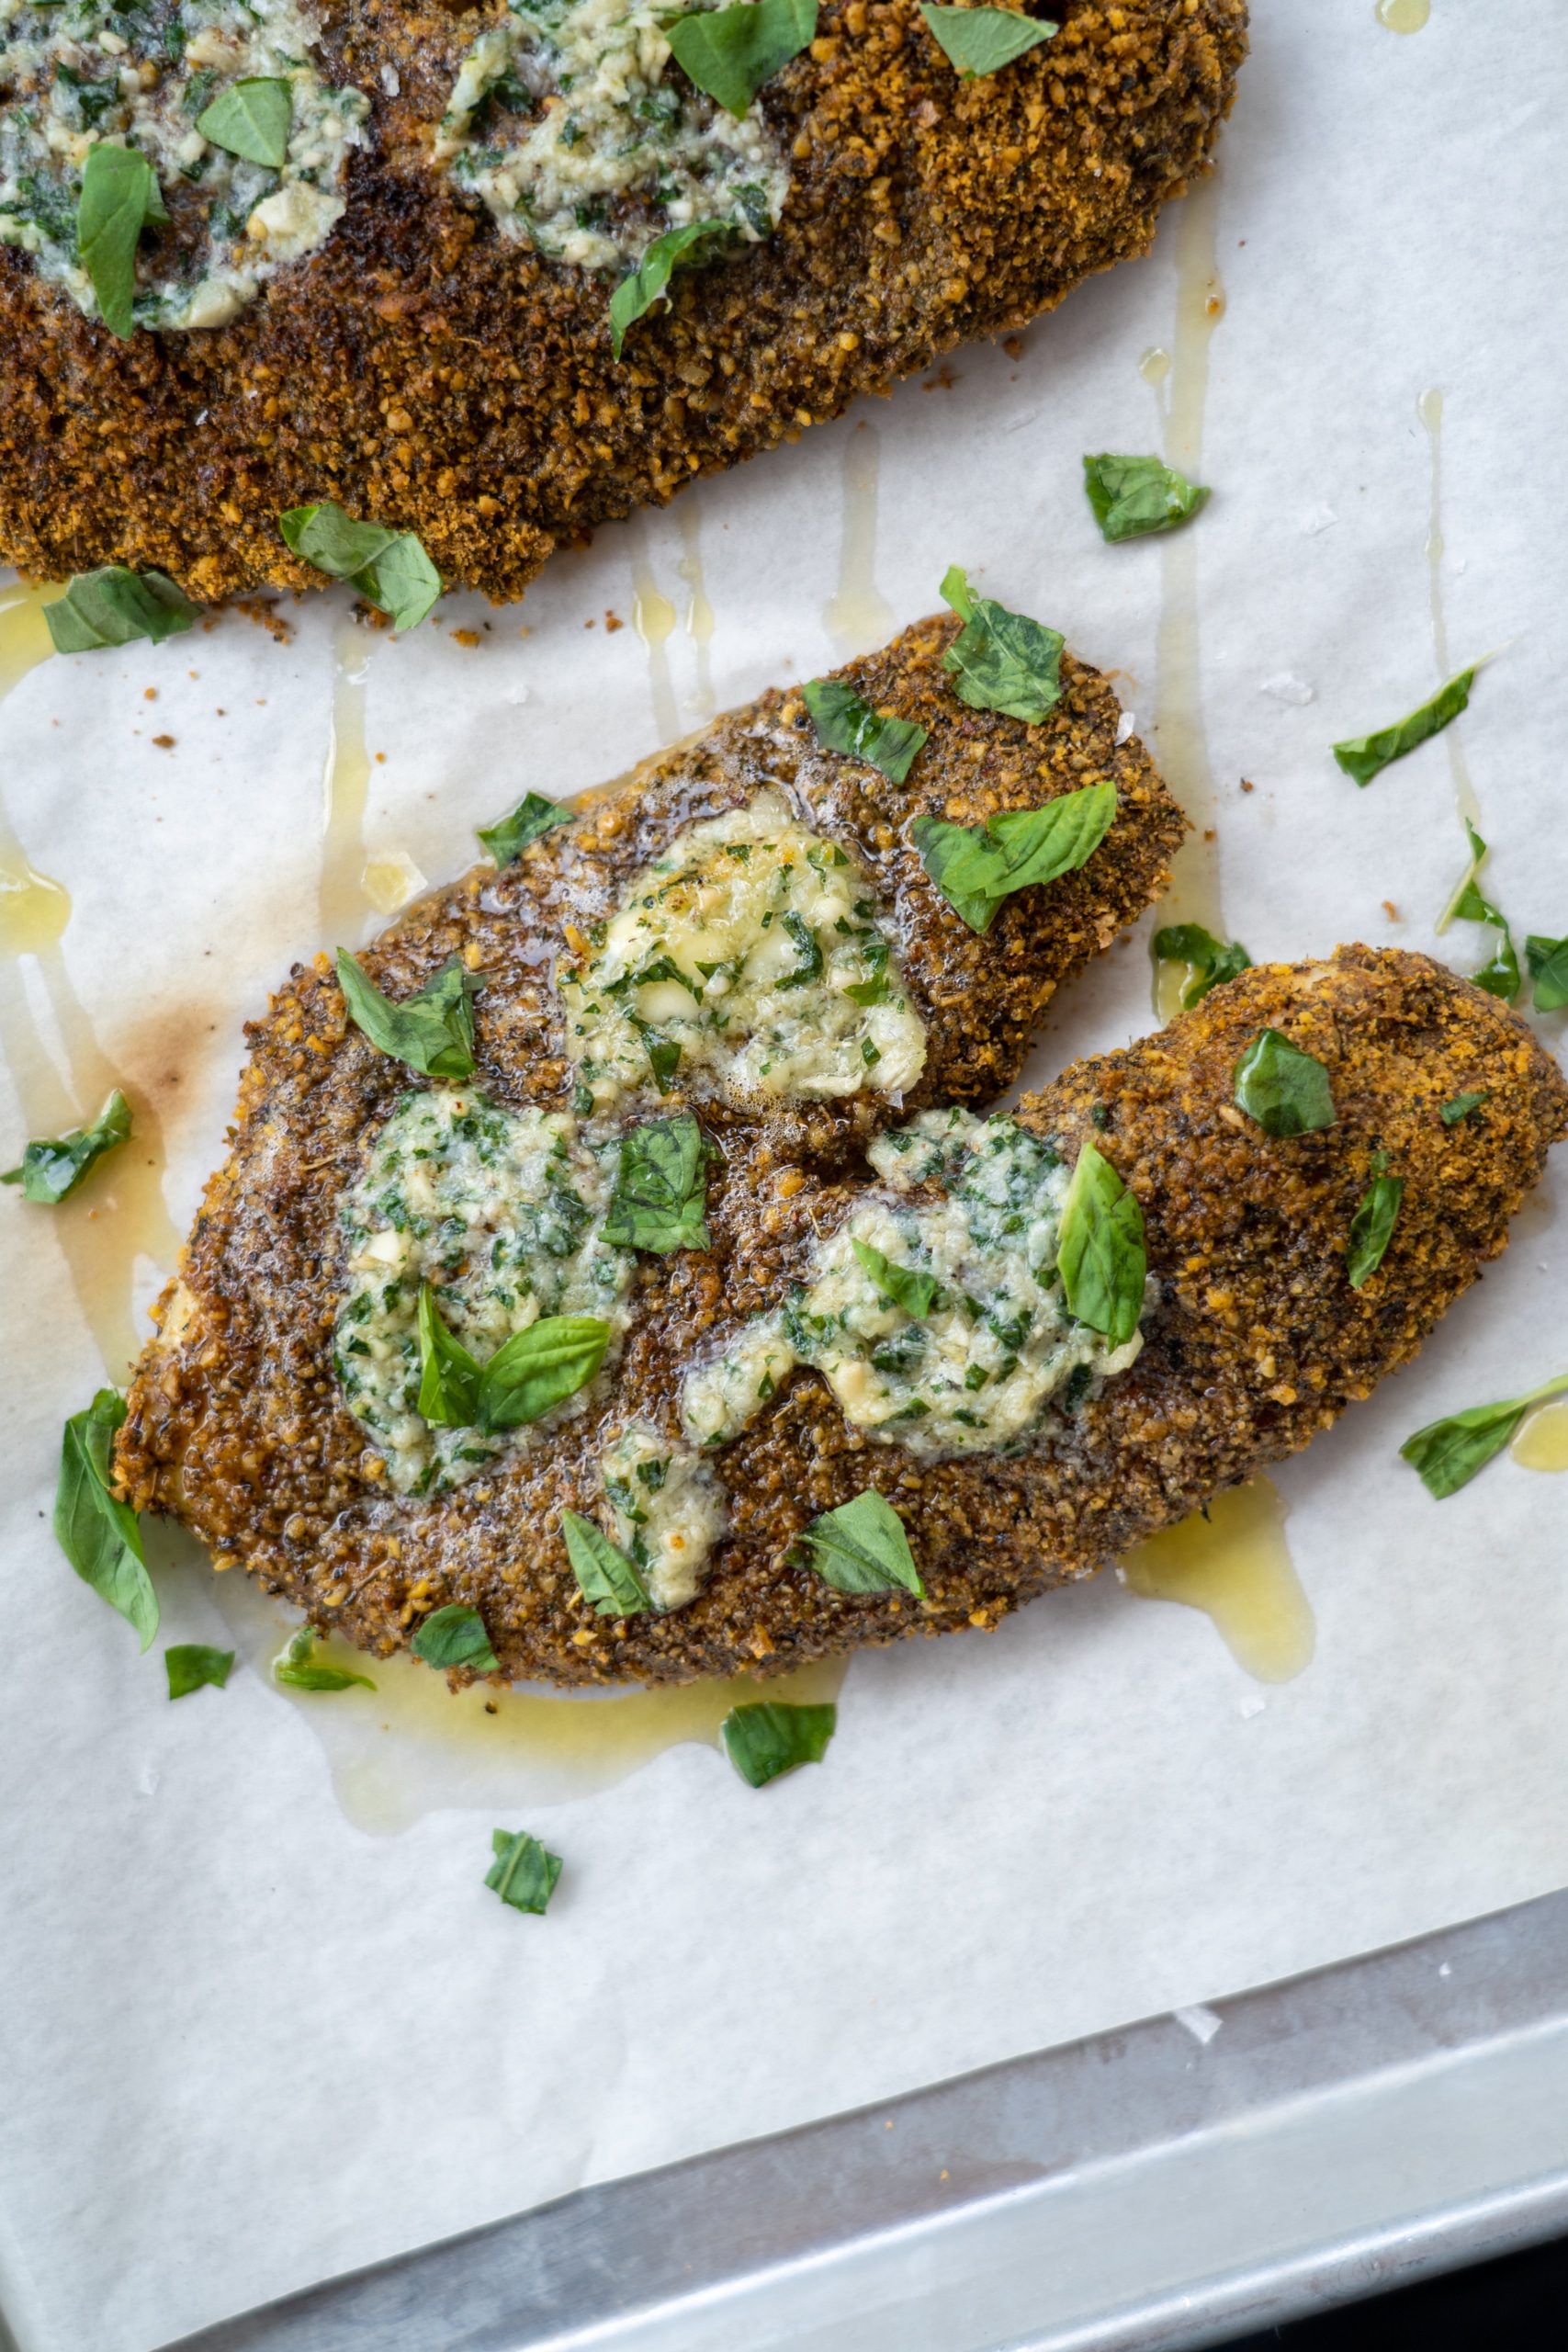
(419, 371)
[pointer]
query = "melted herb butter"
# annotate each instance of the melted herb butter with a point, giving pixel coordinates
(981, 1370)
(562, 121)
(752, 955)
(668, 1510)
(139, 74)
(500, 1211)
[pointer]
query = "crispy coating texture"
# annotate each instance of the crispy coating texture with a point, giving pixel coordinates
(420, 370)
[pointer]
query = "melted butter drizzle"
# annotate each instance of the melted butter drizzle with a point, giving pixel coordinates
(343, 894)
(1429, 409)
(1540, 1441)
(1404, 16)
(858, 617)
(653, 617)
(1235, 1567)
(698, 616)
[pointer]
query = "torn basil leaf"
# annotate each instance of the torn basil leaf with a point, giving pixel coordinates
(296, 1666)
(252, 118)
(389, 568)
(1002, 661)
(1100, 1249)
(976, 867)
(697, 244)
(1285, 1091)
(731, 52)
(523, 1872)
(1547, 961)
(605, 1575)
(453, 1637)
(1365, 756)
(100, 1536)
(534, 815)
(52, 1171)
(432, 1031)
(535, 1370)
(120, 196)
(114, 606)
(769, 1737)
(1371, 1228)
(1211, 961)
(1447, 1455)
(1132, 496)
(449, 1375)
(843, 722)
(916, 1293)
(982, 40)
(192, 1665)
(660, 1191)
(1459, 1107)
(862, 1547)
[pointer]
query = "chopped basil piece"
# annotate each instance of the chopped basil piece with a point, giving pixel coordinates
(52, 1171)
(534, 815)
(454, 1636)
(845, 723)
(689, 248)
(1100, 1249)
(976, 867)
(1371, 1228)
(982, 40)
(120, 196)
(432, 1031)
(766, 1738)
(523, 1872)
(1547, 961)
(532, 1372)
(99, 1535)
(389, 568)
(1002, 661)
(605, 1575)
(192, 1664)
(1460, 1108)
(663, 1059)
(298, 1670)
(1284, 1089)
(251, 118)
(862, 1547)
(731, 52)
(1447, 1454)
(114, 606)
(916, 1293)
(661, 1192)
(1212, 961)
(449, 1375)
(1500, 975)
(810, 964)
(1365, 756)
(1132, 496)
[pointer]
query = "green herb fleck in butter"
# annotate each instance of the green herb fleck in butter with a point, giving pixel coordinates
(668, 1511)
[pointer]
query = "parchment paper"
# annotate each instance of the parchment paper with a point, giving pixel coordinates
(247, 2044)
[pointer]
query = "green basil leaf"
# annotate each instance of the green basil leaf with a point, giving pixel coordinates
(389, 568)
(537, 1368)
(1132, 496)
(810, 966)
(1547, 961)
(454, 1636)
(770, 1738)
(1002, 661)
(660, 1192)
(523, 1873)
(1285, 1091)
(99, 1535)
(731, 52)
(1447, 1455)
(862, 1547)
(432, 1031)
(916, 1293)
(982, 40)
(50, 1171)
(1460, 1108)
(1365, 756)
(843, 722)
(1211, 961)
(605, 1575)
(1500, 975)
(1371, 1228)
(114, 606)
(1100, 1249)
(251, 118)
(976, 867)
(449, 1377)
(118, 190)
(192, 1664)
(698, 242)
(296, 1668)
(534, 815)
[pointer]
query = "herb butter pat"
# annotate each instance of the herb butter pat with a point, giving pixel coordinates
(668, 1511)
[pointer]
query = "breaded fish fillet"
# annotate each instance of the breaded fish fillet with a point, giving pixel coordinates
(424, 371)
